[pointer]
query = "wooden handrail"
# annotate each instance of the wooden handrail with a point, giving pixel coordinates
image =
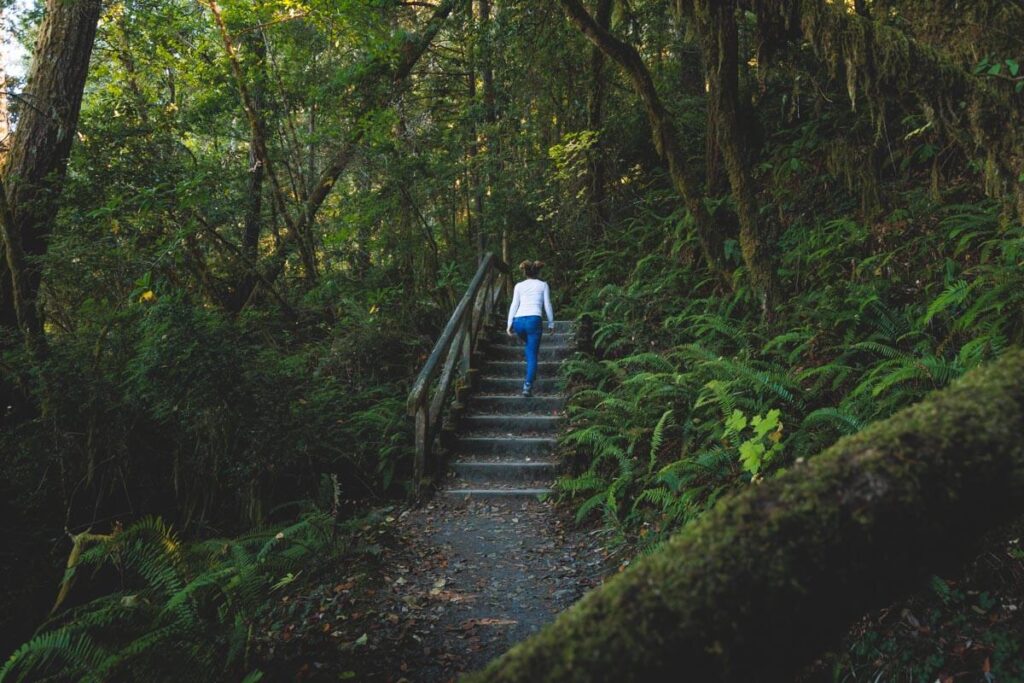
(453, 353)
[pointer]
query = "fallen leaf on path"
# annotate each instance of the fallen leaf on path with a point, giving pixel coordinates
(487, 621)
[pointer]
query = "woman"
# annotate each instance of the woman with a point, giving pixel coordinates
(530, 298)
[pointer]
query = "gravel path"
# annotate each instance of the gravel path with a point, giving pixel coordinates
(506, 570)
(450, 586)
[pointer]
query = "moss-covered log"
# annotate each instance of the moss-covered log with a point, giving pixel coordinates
(774, 575)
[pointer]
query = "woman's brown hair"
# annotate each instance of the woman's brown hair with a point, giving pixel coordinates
(531, 268)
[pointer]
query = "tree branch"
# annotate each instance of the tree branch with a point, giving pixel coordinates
(666, 137)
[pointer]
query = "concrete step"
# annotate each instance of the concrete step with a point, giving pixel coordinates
(516, 352)
(499, 336)
(504, 445)
(512, 386)
(513, 494)
(517, 368)
(519, 405)
(495, 335)
(501, 474)
(561, 326)
(515, 424)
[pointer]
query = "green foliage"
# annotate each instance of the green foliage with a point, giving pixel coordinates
(227, 419)
(851, 346)
(179, 392)
(182, 611)
(755, 453)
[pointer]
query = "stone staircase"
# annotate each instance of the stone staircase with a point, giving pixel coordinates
(503, 442)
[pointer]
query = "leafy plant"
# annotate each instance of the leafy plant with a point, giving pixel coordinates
(762, 446)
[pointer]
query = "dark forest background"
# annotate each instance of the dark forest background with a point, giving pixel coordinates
(232, 231)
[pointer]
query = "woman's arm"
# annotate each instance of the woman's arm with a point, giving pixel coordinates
(547, 307)
(512, 309)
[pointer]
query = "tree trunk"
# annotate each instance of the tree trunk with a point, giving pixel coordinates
(716, 22)
(33, 170)
(762, 583)
(253, 223)
(487, 63)
(494, 161)
(396, 72)
(8, 316)
(474, 209)
(597, 209)
(666, 137)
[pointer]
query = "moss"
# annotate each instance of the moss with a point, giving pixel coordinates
(719, 39)
(881, 64)
(772, 576)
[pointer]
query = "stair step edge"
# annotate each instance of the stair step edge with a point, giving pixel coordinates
(498, 492)
(537, 465)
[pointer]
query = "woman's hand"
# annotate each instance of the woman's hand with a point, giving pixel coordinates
(509, 332)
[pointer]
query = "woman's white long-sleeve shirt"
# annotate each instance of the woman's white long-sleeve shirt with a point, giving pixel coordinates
(530, 297)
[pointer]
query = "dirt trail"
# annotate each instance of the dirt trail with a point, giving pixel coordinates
(504, 571)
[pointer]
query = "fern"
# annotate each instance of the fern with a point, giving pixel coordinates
(589, 505)
(844, 422)
(588, 481)
(954, 295)
(73, 655)
(187, 602)
(657, 439)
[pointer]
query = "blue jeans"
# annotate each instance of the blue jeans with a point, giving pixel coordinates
(529, 329)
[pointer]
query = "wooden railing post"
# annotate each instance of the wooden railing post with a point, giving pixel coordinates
(466, 357)
(451, 355)
(422, 446)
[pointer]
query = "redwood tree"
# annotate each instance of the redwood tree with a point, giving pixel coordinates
(33, 170)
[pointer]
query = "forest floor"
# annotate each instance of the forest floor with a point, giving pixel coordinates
(439, 590)
(428, 593)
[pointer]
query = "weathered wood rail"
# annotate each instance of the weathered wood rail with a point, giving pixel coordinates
(452, 356)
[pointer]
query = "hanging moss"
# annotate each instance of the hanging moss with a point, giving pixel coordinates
(880, 64)
(719, 40)
(853, 160)
(962, 31)
(772, 576)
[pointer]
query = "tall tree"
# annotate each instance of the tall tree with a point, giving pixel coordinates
(253, 224)
(33, 170)
(716, 22)
(596, 203)
(393, 73)
(663, 130)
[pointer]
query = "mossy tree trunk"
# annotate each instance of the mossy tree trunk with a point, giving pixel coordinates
(252, 225)
(716, 22)
(598, 168)
(34, 167)
(666, 137)
(772, 576)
